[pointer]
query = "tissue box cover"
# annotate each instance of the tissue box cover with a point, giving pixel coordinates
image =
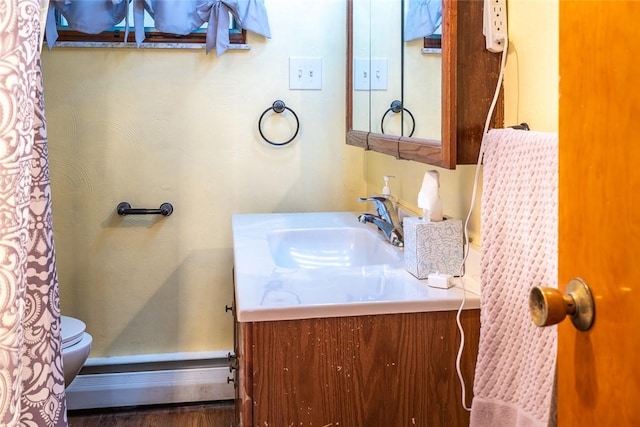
(432, 247)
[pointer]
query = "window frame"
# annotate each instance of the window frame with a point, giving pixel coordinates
(237, 36)
(117, 36)
(433, 42)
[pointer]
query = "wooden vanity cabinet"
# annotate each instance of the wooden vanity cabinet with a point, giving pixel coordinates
(362, 371)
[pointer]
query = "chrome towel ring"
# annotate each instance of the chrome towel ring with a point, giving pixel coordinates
(278, 107)
(396, 107)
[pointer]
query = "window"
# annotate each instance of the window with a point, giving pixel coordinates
(237, 36)
(432, 44)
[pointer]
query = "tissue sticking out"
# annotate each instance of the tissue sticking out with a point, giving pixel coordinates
(429, 197)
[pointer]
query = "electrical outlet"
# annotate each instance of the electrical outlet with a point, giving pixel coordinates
(495, 24)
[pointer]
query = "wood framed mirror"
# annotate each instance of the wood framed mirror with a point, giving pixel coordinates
(468, 78)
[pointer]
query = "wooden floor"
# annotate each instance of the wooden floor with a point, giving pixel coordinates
(197, 415)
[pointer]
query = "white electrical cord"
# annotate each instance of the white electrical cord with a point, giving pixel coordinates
(466, 223)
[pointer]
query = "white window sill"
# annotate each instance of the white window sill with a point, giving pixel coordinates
(116, 45)
(431, 51)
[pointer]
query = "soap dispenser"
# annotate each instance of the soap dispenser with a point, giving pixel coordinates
(386, 190)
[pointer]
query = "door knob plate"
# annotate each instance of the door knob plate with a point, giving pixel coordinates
(585, 311)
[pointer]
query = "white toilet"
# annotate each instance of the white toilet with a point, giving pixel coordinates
(76, 345)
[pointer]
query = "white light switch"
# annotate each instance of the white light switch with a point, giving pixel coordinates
(361, 74)
(370, 74)
(378, 73)
(305, 73)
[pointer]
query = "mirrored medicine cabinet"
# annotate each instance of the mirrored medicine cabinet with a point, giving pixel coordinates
(410, 102)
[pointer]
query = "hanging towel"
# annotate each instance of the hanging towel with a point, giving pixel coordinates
(515, 372)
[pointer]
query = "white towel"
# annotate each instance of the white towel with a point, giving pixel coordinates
(515, 372)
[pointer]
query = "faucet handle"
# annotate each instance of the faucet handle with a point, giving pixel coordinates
(375, 199)
(383, 206)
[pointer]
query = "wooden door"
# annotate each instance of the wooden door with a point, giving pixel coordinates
(599, 229)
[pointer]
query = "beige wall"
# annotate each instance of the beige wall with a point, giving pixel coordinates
(531, 95)
(149, 126)
(532, 78)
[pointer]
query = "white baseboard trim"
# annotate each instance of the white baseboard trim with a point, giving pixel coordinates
(156, 358)
(110, 390)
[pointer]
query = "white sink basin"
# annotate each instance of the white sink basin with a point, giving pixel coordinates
(324, 264)
(330, 247)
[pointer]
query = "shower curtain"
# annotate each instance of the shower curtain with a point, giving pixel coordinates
(31, 378)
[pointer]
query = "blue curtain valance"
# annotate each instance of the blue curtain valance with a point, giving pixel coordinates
(179, 17)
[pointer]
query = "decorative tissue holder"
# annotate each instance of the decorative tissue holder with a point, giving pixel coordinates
(432, 247)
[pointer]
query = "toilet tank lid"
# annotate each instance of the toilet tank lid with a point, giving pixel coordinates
(72, 330)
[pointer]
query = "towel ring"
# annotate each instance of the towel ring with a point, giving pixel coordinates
(396, 107)
(278, 107)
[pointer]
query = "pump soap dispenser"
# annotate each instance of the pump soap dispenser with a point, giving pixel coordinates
(386, 190)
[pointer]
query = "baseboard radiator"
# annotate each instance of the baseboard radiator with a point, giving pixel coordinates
(113, 382)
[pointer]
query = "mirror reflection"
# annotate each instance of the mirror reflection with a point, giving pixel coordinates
(396, 80)
(386, 32)
(361, 33)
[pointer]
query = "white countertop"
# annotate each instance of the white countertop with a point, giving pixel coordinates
(265, 291)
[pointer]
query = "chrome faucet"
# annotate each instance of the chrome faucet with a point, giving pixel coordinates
(386, 220)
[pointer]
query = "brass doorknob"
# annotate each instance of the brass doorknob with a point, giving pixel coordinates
(548, 306)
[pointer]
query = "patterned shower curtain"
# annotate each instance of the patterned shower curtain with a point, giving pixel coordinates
(31, 378)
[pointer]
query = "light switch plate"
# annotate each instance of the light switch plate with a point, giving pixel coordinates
(361, 74)
(378, 73)
(305, 73)
(370, 74)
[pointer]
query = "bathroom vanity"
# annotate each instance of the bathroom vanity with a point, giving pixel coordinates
(331, 330)
(387, 370)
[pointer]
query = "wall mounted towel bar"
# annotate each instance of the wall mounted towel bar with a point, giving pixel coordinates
(278, 107)
(521, 126)
(125, 208)
(396, 107)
